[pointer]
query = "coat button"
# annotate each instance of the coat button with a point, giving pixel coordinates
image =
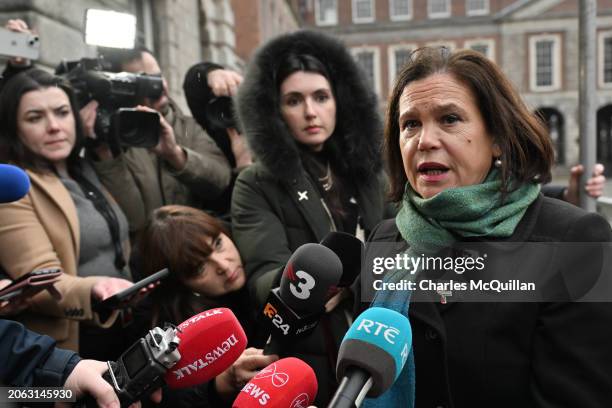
(431, 334)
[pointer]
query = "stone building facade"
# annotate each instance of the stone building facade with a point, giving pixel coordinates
(534, 41)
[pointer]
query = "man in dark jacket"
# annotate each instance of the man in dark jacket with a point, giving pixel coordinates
(186, 167)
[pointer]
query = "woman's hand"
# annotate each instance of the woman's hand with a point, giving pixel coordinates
(107, 287)
(15, 305)
(223, 82)
(86, 379)
(594, 186)
(231, 381)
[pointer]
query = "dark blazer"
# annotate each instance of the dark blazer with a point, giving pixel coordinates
(528, 354)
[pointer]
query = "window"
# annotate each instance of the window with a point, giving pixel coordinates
(367, 59)
(607, 66)
(476, 7)
(485, 47)
(438, 8)
(399, 55)
(604, 59)
(545, 62)
(326, 12)
(363, 11)
(400, 10)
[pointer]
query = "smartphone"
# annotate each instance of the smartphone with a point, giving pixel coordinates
(117, 301)
(14, 44)
(39, 279)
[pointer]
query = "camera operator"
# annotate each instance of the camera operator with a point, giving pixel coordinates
(185, 167)
(208, 88)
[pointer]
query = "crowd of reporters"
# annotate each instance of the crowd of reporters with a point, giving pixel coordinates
(222, 217)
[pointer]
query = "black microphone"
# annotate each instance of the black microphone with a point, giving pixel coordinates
(293, 310)
(350, 250)
(371, 356)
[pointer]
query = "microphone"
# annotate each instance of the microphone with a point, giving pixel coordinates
(192, 353)
(14, 183)
(286, 383)
(371, 356)
(210, 342)
(293, 309)
(349, 249)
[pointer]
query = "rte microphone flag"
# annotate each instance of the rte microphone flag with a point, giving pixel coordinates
(371, 356)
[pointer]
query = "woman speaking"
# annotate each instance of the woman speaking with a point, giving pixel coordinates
(465, 160)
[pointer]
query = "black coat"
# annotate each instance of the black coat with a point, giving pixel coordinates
(529, 354)
(276, 207)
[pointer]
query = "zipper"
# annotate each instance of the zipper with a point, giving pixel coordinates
(331, 219)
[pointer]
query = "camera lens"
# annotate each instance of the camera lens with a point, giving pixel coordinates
(220, 112)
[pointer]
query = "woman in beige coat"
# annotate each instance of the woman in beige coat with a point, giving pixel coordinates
(60, 223)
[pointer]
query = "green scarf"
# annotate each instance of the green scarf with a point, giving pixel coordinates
(470, 211)
(429, 225)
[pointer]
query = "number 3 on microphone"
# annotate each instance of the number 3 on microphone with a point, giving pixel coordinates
(306, 283)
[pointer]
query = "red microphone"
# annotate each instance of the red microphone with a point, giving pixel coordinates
(210, 342)
(196, 351)
(286, 383)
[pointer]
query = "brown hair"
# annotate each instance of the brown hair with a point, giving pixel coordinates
(177, 237)
(12, 149)
(527, 151)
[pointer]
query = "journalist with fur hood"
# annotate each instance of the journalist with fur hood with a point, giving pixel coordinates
(312, 122)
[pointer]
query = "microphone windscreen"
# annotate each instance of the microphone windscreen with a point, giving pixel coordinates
(308, 276)
(349, 250)
(378, 342)
(286, 383)
(210, 342)
(14, 183)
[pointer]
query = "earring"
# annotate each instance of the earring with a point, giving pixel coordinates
(497, 163)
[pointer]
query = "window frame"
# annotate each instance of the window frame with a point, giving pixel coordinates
(392, 60)
(376, 63)
(601, 37)
(432, 15)
(556, 58)
(400, 17)
(318, 22)
(477, 12)
(362, 20)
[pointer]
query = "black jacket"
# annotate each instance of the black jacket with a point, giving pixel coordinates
(529, 354)
(276, 207)
(29, 359)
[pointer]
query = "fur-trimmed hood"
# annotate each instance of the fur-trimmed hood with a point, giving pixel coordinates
(357, 138)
